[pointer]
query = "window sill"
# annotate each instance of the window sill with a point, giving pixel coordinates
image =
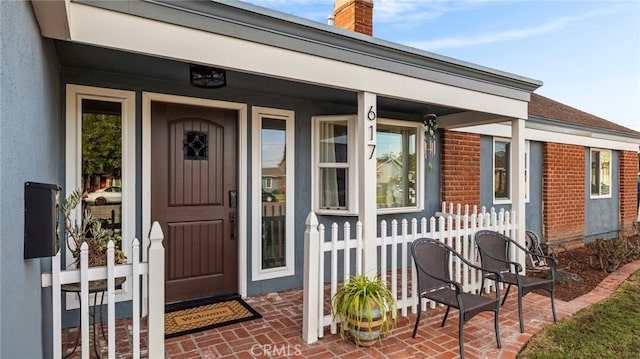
(335, 212)
(400, 210)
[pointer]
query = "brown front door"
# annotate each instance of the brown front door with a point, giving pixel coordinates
(193, 178)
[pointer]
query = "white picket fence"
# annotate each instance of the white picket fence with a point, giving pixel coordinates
(152, 273)
(455, 226)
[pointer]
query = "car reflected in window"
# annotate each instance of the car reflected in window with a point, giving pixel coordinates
(111, 194)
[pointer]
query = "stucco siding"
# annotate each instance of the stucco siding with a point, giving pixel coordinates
(30, 149)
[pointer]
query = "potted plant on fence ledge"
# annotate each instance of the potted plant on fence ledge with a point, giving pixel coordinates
(365, 307)
(89, 230)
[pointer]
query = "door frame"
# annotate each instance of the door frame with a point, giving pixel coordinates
(147, 98)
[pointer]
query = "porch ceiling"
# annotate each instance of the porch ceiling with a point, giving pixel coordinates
(79, 56)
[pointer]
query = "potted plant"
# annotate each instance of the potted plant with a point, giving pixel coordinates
(364, 306)
(89, 230)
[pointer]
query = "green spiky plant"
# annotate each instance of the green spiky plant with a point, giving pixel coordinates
(356, 304)
(89, 230)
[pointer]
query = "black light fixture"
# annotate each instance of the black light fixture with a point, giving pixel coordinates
(207, 77)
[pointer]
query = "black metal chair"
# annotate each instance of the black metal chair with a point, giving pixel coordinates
(495, 255)
(432, 259)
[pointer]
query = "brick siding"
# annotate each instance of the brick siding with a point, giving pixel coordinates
(460, 166)
(628, 190)
(563, 194)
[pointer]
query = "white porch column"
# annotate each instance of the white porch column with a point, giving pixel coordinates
(518, 180)
(366, 172)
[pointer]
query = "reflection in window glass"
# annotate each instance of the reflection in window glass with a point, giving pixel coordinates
(274, 169)
(600, 173)
(396, 166)
(501, 171)
(102, 161)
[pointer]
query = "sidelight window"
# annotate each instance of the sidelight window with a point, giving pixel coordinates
(273, 244)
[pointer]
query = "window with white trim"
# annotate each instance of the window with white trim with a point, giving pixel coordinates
(399, 165)
(600, 173)
(502, 171)
(101, 160)
(273, 225)
(333, 164)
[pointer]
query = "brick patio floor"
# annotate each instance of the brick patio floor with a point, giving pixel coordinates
(278, 333)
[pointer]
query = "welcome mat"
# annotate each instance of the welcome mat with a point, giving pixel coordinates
(190, 317)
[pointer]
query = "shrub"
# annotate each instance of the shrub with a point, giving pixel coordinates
(610, 254)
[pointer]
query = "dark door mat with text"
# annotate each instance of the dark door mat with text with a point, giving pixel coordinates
(194, 316)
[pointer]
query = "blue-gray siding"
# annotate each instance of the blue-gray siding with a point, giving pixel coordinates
(533, 207)
(30, 150)
(602, 215)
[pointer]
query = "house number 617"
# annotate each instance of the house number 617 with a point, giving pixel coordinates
(371, 115)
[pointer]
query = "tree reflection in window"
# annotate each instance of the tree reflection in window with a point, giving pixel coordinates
(396, 166)
(102, 160)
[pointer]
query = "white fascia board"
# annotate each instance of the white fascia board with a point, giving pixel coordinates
(135, 34)
(468, 119)
(621, 144)
(53, 18)
(533, 134)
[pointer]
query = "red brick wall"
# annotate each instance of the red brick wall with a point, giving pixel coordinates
(355, 15)
(460, 167)
(563, 193)
(628, 190)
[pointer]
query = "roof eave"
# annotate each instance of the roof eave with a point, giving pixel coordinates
(583, 130)
(263, 20)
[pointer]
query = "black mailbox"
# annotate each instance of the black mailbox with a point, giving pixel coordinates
(40, 220)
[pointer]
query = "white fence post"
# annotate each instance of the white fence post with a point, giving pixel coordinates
(84, 295)
(56, 305)
(135, 253)
(155, 277)
(311, 286)
(111, 301)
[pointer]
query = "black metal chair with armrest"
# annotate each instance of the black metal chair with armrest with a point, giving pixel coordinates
(495, 255)
(431, 259)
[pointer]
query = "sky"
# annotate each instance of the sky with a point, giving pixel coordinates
(586, 53)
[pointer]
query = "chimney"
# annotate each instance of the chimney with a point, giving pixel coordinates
(354, 15)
